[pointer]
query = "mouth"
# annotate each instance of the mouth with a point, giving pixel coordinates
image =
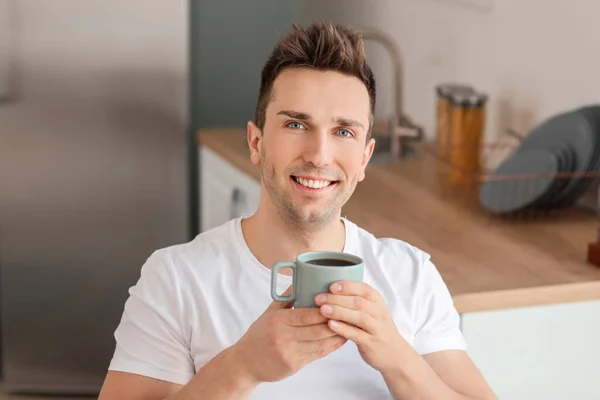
(313, 185)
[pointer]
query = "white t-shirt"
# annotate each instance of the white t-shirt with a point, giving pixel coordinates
(193, 300)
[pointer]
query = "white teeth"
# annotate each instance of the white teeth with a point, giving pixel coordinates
(313, 184)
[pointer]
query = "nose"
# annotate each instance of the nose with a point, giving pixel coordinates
(318, 149)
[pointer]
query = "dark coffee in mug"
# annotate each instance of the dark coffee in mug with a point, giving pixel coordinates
(330, 262)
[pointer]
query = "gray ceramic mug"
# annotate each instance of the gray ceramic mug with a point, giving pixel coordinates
(314, 272)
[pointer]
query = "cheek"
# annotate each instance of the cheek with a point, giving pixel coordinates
(276, 159)
(281, 152)
(351, 162)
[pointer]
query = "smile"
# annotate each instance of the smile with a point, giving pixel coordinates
(313, 183)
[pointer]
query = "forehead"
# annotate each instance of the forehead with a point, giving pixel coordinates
(322, 94)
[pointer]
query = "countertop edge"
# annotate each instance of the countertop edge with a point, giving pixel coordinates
(527, 297)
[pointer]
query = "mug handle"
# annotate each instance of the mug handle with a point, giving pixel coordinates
(278, 265)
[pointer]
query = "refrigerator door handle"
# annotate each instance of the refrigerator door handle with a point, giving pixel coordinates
(238, 201)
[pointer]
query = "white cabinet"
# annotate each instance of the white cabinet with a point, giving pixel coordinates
(546, 352)
(225, 191)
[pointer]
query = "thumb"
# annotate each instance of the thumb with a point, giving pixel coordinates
(275, 305)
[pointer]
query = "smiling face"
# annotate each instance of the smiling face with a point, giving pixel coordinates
(313, 149)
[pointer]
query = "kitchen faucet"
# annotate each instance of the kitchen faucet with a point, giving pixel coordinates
(401, 128)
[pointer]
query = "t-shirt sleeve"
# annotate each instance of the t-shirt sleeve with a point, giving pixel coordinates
(438, 321)
(150, 338)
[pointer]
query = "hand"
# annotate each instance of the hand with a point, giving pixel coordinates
(283, 340)
(358, 313)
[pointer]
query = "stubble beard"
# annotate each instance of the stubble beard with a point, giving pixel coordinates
(292, 215)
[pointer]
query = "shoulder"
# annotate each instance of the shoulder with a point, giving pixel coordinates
(207, 248)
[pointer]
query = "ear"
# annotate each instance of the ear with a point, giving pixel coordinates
(368, 152)
(254, 137)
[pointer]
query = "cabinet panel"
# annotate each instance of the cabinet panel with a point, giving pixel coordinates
(226, 192)
(547, 352)
(216, 198)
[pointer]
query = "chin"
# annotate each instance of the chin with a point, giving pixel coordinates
(321, 216)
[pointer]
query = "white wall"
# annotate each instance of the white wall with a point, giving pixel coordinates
(533, 57)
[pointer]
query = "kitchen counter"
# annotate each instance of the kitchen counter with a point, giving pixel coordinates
(488, 263)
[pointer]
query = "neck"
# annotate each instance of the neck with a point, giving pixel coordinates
(270, 238)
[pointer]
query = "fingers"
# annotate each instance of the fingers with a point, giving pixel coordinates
(304, 317)
(350, 302)
(278, 305)
(349, 332)
(349, 288)
(320, 348)
(312, 332)
(359, 319)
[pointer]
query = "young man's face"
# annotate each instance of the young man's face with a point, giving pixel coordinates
(313, 148)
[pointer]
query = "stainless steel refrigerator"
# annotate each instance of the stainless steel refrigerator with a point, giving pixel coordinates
(93, 178)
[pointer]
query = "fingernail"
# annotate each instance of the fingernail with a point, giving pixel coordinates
(336, 287)
(334, 324)
(321, 298)
(327, 309)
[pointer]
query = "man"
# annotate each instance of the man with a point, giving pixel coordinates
(200, 324)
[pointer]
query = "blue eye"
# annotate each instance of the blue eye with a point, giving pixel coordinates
(295, 125)
(345, 133)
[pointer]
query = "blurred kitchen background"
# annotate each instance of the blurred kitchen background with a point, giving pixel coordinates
(115, 127)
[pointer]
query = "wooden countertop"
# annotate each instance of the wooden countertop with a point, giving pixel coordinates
(488, 263)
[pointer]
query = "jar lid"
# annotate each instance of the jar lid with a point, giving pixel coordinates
(477, 99)
(447, 89)
(460, 98)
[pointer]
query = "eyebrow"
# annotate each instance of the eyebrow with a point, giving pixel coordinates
(348, 122)
(306, 117)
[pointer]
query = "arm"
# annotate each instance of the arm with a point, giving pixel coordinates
(448, 375)
(458, 371)
(209, 383)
